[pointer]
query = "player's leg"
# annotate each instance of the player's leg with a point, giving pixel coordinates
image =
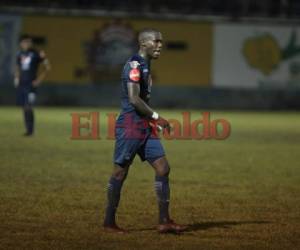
(23, 100)
(29, 119)
(162, 188)
(154, 153)
(113, 196)
(29, 99)
(125, 151)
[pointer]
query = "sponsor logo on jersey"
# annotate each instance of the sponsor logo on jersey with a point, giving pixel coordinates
(134, 75)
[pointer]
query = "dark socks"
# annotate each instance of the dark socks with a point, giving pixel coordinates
(163, 196)
(113, 198)
(29, 120)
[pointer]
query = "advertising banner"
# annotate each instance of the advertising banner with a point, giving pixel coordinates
(252, 56)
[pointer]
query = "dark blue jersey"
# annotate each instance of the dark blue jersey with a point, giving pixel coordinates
(136, 70)
(133, 131)
(28, 62)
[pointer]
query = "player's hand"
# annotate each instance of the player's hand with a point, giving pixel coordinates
(35, 83)
(42, 54)
(163, 123)
(16, 82)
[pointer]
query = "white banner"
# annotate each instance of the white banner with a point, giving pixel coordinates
(251, 56)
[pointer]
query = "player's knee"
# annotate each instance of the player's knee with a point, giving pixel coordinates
(120, 173)
(163, 170)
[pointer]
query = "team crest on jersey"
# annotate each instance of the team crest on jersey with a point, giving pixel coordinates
(134, 75)
(25, 62)
(134, 64)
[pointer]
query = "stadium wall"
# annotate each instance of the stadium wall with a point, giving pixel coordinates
(87, 50)
(179, 97)
(205, 64)
(84, 49)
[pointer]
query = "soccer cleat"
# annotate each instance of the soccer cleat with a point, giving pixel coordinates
(171, 227)
(114, 229)
(28, 134)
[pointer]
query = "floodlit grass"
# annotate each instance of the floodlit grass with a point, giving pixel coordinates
(240, 193)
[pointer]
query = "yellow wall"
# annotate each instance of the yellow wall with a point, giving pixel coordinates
(65, 37)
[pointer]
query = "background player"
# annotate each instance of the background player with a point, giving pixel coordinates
(133, 134)
(27, 78)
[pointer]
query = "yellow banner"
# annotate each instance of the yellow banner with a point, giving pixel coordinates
(86, 49)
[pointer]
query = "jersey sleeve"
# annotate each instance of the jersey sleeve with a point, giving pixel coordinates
(133, 72)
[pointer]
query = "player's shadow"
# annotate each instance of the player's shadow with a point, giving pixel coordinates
(220, 224)
(208, 225)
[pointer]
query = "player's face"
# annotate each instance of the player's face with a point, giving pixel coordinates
(26, 44)
(153, 45)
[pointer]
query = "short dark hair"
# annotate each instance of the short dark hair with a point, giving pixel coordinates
(24, 37)
(145, 32)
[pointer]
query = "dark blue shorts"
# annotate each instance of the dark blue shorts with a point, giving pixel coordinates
(130, 142)
(26, 96)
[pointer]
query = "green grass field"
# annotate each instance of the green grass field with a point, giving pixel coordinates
(240, 193)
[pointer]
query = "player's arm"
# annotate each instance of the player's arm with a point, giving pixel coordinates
(142, 107)
(17, 71)
(136, 101)
(17, 76)
(46, 67)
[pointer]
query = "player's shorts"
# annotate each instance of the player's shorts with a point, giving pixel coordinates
(26, 96)
(132, 141)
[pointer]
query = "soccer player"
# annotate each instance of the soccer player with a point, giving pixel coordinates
(27, 78)
(134, 134)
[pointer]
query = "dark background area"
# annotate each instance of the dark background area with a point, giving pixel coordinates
(236, 11)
